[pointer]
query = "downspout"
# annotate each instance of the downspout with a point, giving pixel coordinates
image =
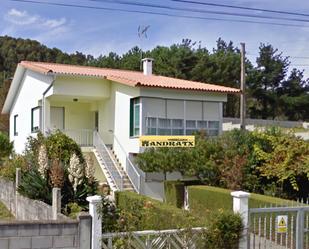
(43, 104)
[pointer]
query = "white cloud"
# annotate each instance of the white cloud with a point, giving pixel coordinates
(18, 17)
(23, 18)
(35, 26)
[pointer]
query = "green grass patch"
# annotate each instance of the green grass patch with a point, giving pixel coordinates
(4, 213)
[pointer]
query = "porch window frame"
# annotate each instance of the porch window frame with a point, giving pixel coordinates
(15, 125)
(135, 102)
(36, 128)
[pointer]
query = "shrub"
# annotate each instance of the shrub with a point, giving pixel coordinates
(8, 170)
(57, 161)
(35, 187)
(285, 161)
(137, 212)
(224, 232)
(6, 147)
(143, 213)
(72, 209)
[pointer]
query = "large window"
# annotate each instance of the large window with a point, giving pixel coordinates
(15, 125)
(35, 119)
(135, 110)
(165, 126)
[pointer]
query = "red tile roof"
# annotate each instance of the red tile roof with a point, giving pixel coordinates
(131, 78)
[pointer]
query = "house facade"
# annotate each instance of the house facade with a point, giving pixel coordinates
(110, 109)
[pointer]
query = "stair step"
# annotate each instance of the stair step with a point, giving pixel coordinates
(112, 168)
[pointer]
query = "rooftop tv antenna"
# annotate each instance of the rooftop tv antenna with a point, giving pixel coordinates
(142, 34)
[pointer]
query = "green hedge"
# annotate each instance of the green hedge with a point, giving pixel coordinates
(143, 213)
(206, 199)
(152, 214)
(174, 191)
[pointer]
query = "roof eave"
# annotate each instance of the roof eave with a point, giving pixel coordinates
(19, 72)
(236, 91)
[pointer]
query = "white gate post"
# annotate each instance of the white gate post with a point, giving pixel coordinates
(240, 206)
(96, 234)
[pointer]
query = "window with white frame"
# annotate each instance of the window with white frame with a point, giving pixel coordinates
(35, 119)
(177, 127)
(151, 124)
(165, 126)
(135, 110)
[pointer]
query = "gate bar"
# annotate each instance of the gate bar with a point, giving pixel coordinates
(300, 229)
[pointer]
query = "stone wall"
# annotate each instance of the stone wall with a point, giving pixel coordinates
(60, 234)
(22, 207)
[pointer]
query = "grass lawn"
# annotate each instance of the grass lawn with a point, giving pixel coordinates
(4, 213)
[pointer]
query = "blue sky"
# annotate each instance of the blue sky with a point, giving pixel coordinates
(99, 32)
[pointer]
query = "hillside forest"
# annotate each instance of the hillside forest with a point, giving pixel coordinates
(273, 89)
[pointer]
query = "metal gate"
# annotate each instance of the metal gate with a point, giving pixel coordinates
(278, 228)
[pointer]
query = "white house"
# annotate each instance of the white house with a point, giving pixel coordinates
(99, 107)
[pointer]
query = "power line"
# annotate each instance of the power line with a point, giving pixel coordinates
(242, 7)
(139, 4)
(158, 13)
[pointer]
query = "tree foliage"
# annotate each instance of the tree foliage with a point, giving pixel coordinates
(270, 85)
(270, 162)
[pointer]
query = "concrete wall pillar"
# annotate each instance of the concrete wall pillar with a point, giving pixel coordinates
(96, 231)
(17, 183)
(85, 226)
(56, 205)
(241, 206)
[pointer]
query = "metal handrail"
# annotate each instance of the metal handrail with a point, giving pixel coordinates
(99, 139)
(138, 187)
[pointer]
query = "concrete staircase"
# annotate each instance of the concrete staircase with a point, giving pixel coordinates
(127, 185)
(115, 175)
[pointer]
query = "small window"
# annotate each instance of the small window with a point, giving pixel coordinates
(35, 119)
(177, 126)
(191, 127)
(15, 125)
(151, 126)
(164, 127)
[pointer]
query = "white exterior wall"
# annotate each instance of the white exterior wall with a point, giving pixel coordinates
(30, 92)
(77, 115)
(81, 87)
(123, 94)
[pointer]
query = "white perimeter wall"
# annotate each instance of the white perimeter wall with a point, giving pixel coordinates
(30, 92)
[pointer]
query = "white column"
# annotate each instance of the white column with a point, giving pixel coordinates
(240, 206)
(46, 115)
(96, 234)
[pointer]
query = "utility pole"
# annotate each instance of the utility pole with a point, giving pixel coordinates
(242, 87)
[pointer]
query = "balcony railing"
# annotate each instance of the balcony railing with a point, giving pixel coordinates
(83, 137)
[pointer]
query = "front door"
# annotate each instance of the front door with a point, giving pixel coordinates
(57, 118)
